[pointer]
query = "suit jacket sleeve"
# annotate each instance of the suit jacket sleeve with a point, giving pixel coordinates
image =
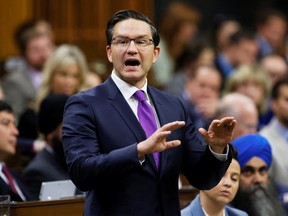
(94, 146)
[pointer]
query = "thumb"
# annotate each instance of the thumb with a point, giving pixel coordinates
(203, 132)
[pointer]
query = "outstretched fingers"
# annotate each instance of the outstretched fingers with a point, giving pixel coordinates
(172, 126)
(228, 123)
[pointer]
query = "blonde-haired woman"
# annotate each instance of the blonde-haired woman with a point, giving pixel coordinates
(253, 82)
(64, 72)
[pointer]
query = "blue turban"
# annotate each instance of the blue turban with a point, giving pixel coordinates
(253, 145)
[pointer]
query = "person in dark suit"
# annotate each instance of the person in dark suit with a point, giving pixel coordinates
(49, 164)
(111, 156)
(10, 182)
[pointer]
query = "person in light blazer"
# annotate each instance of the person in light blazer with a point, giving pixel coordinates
(108, 152)
(216, 201)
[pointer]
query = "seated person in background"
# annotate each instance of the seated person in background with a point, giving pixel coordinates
(10, 183)
(256, 195)
(251, 81)
(63, 73)
(24, 73)
(214, 202)
(243, 109)
(275, 66)
(201, 94)
(276, 133)
(49, 164)
(198, 52)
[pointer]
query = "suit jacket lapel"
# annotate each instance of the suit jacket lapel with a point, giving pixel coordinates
(121, 106)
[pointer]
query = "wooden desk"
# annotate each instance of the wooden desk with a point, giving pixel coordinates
(75, 206)
(63, 207)
(186, 195)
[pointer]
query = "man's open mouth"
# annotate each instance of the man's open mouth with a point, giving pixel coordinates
(132, 63)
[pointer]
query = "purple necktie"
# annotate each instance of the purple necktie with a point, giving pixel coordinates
(146, 119)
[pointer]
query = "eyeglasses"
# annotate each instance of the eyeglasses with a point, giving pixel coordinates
(249, 171)
(124, 42)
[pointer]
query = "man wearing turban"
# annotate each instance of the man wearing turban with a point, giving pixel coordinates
(256, 196)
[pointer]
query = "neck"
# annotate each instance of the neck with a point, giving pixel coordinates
(210, 206)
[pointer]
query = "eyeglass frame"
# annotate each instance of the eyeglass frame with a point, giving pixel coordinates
(139, 47)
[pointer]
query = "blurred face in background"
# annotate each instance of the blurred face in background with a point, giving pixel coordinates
(38, 50)
(66, 80)
(274, 31)
(280, 106)
(205, 84)
(8, 134)
(276, 68)
(226, 29)
(245, 52)
(253, 90)
(203, 90)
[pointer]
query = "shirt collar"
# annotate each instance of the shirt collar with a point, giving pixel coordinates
(282, 130)
(125, 88)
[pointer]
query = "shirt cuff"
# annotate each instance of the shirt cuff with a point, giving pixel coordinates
(221, 157)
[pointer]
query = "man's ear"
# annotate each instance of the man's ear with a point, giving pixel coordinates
(156, 53)
(108, 53)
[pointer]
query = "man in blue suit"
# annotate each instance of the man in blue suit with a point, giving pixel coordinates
(107, 151)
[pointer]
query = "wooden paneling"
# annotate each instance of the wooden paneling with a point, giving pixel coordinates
(12, 12)
(83, 22)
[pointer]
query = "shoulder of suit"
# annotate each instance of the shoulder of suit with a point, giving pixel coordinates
(235, 212)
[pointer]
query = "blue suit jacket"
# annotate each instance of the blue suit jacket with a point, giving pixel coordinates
(43, 167)
(195, 209)
(100, 136)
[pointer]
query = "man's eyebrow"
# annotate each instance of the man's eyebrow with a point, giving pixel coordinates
(140, 36)
(252, 167)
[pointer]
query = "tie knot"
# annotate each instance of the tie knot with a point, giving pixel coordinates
(140, 95)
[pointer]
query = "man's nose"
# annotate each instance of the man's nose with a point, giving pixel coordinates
(132, 47)
(258, 178)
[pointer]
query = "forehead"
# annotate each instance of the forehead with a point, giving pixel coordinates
(6, 115)
(256, 162)
(234, 167)
(132, 28)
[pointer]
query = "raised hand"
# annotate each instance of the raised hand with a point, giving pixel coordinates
(219, 133)
(157, 141)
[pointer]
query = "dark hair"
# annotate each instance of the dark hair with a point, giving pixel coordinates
(265, 14)
(242, 34)
(235, 152)
(4, 106)
(129, 14)
(275, 89)
(24, 33)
